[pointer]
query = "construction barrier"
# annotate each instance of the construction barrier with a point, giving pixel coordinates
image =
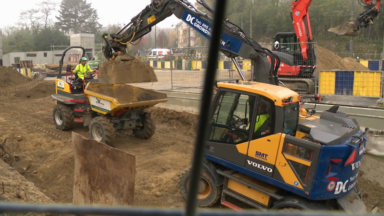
(374, 65)
(199, 65)
(25, 71)
(353, 83)
(364, 63)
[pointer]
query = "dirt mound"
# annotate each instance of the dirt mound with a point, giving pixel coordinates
(17, 188)
(327, 60)
(166, 116)
(9, 77)
(126, 69)
(42, 90)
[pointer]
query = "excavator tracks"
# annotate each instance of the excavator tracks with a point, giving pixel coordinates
(299, 85)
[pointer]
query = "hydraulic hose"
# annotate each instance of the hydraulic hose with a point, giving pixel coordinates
(206, 5)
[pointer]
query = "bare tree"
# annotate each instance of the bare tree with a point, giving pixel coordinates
(47, 8)
(9, 30)
(31, 19)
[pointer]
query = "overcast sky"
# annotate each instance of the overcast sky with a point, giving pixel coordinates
(110, 12)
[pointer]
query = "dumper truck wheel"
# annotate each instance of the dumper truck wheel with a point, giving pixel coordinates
(208, 192)
(102, 130)
(63, 117)
(147, 130)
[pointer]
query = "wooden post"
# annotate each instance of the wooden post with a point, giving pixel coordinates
(103, 175)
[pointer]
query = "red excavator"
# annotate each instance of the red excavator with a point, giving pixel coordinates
(296, 50)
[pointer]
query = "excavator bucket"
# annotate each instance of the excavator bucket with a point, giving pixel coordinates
(103, 175)
(125, 69)
(345, 29)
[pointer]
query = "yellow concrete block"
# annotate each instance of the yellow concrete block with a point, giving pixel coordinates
(327, 82)
(167, 65)
(367, 84)
(199, 65)
(246, 65)
(234, 67)
(364, 63)
(221, 65)
(193, 65)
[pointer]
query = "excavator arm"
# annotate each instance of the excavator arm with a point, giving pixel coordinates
(302, 23)
(363, 20)
(234, 42)
(299, 15)
(371, 11)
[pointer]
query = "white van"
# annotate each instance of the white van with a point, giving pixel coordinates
(159, 53)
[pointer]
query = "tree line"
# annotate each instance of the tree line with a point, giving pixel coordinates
(272, 16)
(38, 28)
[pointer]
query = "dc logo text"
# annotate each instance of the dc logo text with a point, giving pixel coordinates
(190, 19)
(342, 187)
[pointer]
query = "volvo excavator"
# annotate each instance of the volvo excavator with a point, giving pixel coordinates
(296, 50)
(264, 150)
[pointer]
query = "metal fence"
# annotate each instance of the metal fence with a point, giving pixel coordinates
(185, 72)
(375, 56)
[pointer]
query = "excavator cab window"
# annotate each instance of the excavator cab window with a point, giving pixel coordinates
(287, 43)
(230, 123)
(291, 118)
(264, 123)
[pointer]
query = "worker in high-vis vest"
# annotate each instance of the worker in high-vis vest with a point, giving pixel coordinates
(82, 69)
(262, 119)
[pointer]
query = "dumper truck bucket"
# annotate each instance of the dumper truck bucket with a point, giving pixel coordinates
(345, 29)
(125, 69)
(110, 98)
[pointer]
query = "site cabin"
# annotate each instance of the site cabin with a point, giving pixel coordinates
(295, 160)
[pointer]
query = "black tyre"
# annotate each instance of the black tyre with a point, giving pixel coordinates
(147, 130)
(102, 130)
(63, 117)
(208, 193)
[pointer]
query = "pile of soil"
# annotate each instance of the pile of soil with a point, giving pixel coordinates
(175, 118)
(126, 69)
(17, 188)
(42, 90)
(327, 60)
(14, 186)
(9, 77)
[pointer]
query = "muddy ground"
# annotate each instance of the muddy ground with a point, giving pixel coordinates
(44, 155)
